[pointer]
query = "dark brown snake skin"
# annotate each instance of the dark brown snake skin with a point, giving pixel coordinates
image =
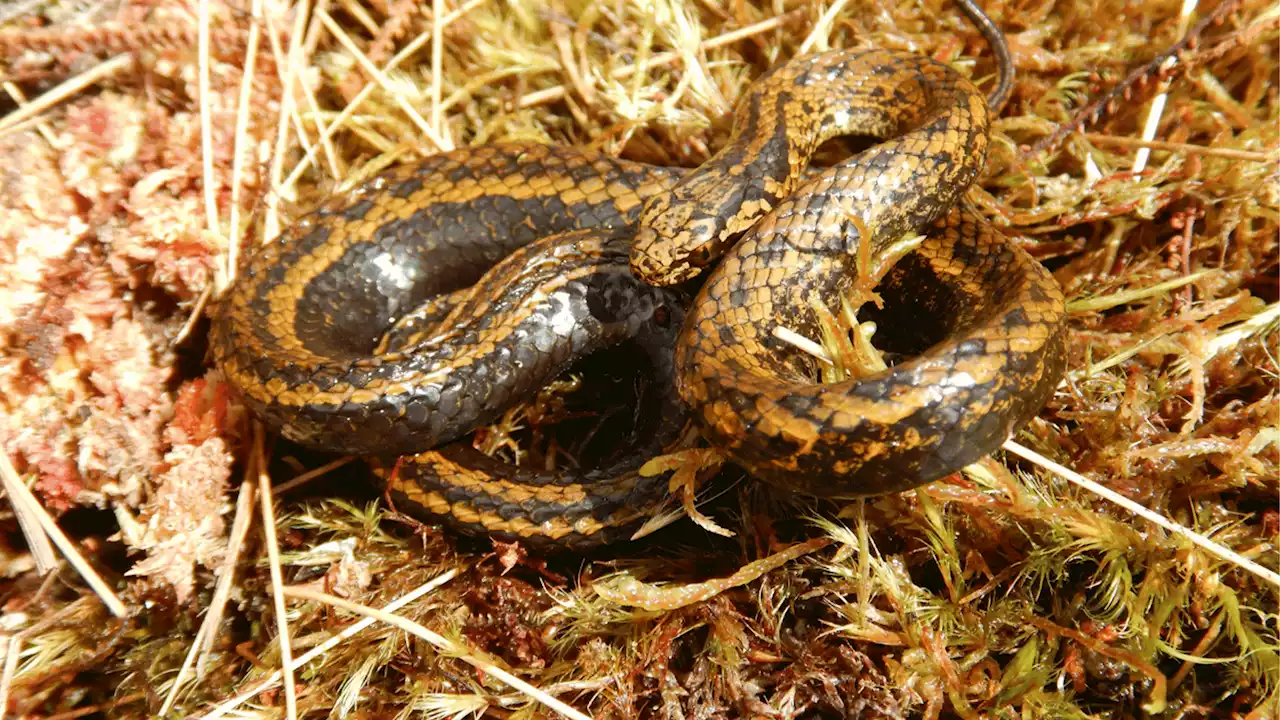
(399, 317)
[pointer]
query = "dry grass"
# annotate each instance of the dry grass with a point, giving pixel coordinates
(156, 142)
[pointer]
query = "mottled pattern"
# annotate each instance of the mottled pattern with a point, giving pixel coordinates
(917, 421)
(429, 301)
(398, 317)
(565, 509)
(299, 332)
(777, 128)
(755, 395)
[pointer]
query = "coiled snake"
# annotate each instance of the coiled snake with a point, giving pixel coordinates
(398, 317)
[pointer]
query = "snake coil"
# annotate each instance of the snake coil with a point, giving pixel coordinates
(396, 318)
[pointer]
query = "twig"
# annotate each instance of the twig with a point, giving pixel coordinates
(444, 644)
(822, 28)
(625, 589)
(361, 16)
(20, 495)
(437, 66)
(802, 343)
(34, 122)
(227, 572)
(327, 645)
(1157, 106)
(277, 578)
(12, 649)
(383, 80)
(286, 63)
(1229, 338)
(194, 316)
(206, 120)
(41, 551)
(20, 98)
(64, 90)
(368, 89)
(312, 474)
(330, 154)
(241, 144)
(1249, 155)
(1212, 547)
(271, 224)
(314, 30)
(1106, 302)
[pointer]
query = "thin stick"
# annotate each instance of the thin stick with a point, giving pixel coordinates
(822, 27)
(65, 89)
(667, 58)
(241, 141)
(802, 343)
(1227, 339)
(313, 31)
(330, 154)
(381, 79)
(1157, 105)
(277, 578)
(271, 224)
(20, 98)
(227, 573)
(1218, 550)
(327, 645)
(20, 495)
(361, 15)
(12, 648)
(41, 550)
(444, 644)
(206, 118)
(368, 89)
(194, 317)
(1250, 155)
(437, 66)
(27, 124)
(312, 474)
(1106, 302)
(1246, 328)
(291, 58)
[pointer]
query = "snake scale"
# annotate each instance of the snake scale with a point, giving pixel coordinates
(398, 317)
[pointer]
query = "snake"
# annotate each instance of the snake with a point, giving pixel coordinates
(422, 304)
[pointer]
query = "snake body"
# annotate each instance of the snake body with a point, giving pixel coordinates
(396, 318)
(1002, 313)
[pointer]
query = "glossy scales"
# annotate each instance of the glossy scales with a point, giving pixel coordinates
(1003, 349)
(299, 333)
(431, 299)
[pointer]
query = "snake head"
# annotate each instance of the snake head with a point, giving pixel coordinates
(674, 242)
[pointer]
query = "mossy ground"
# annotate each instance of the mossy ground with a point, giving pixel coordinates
(1004, 591)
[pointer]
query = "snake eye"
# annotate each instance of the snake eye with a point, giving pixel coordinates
(700, 256)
